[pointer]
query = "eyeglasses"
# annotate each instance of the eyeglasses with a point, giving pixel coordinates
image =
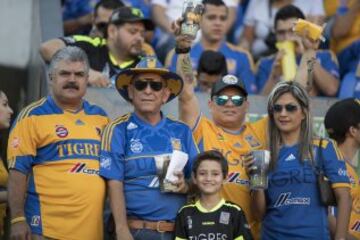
(288, 107)
(141, 85)
(237, 100)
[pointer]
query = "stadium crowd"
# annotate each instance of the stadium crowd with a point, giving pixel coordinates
(74, 173)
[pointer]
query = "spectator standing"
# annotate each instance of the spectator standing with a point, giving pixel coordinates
(227, 220)
(346, 132)
(54, 188)
(135, 144)
(290, 208)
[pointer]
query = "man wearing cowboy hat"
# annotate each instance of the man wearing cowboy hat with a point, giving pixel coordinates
(134, 148)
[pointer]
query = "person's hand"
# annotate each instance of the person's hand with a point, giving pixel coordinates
(123, 233)
(20, 231)
(304, 43)
(182, 41)
(248, 161)
(97, 79)
(181, 184)
(276, 70)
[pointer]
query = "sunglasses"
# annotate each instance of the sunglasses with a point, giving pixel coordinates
(288, 107)
(141, 85)
(223, 99)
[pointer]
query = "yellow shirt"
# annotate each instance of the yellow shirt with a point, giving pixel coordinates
(354, 34)
(208, 136)
(354, 224)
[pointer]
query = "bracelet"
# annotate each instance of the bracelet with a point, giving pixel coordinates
(18, 219)
(182, 50)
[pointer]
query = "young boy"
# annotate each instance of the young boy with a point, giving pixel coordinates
(211, 217)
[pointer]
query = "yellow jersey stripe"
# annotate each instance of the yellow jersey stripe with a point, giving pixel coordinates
(106, 143)
(177, 238)
(339, 185)
(25, 112)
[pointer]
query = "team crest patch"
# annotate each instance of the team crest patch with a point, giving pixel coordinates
(224, 218)
(176, 143)
(136, 146)
(61, 131)
(252, 141)
(230, 79)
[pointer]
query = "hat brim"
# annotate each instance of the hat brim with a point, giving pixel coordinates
(174, 81)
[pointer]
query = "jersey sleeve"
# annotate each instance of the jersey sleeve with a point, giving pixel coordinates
(86, 43)
(22, 145)
(112, 160)
(330, 63)
(180, 230)
(334, 164)
(241, 226)
(198, 131)
(263, 70)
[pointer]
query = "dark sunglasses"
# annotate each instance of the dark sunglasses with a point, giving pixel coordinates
(237, 100)
(288, 107)
(141, 85)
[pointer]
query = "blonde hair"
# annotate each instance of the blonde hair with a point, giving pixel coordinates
(306, 133)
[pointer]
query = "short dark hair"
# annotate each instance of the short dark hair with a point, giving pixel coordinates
(217, 3)
(108, 4)
(211, 155)
(213, 63)
(287, 12)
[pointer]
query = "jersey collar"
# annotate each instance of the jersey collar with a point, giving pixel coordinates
(204, 210)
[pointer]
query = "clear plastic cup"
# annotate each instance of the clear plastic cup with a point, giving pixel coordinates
(192, 11)
(258, 172)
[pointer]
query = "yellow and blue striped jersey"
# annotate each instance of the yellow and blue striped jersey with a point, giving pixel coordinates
(59, 151)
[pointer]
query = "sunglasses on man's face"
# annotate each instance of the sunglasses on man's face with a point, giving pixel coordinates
(237, 100)
(277, 108)
(141, 85)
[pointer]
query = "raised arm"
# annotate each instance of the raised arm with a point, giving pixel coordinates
(49, 48)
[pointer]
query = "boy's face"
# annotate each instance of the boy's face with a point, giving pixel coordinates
(209, 177)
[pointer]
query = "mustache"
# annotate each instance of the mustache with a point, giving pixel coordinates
(71, 85)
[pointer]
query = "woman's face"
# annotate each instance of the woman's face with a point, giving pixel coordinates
(5, 111)
(288, 114)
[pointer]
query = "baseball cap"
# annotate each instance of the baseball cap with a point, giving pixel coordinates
(128, 15)
(212, 62)
(228, 81)
(341, 116)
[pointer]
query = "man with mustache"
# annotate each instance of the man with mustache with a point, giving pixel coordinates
(121, 48)
(54, 188)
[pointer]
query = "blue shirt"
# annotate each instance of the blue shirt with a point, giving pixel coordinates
(325, 57)
(239, 63)
(294, 210)
(129, 147)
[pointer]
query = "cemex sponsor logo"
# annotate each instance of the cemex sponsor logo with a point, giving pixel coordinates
(234, 177)
(285, 200)
(81, 168)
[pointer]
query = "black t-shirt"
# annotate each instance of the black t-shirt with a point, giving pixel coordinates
(225, 222)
